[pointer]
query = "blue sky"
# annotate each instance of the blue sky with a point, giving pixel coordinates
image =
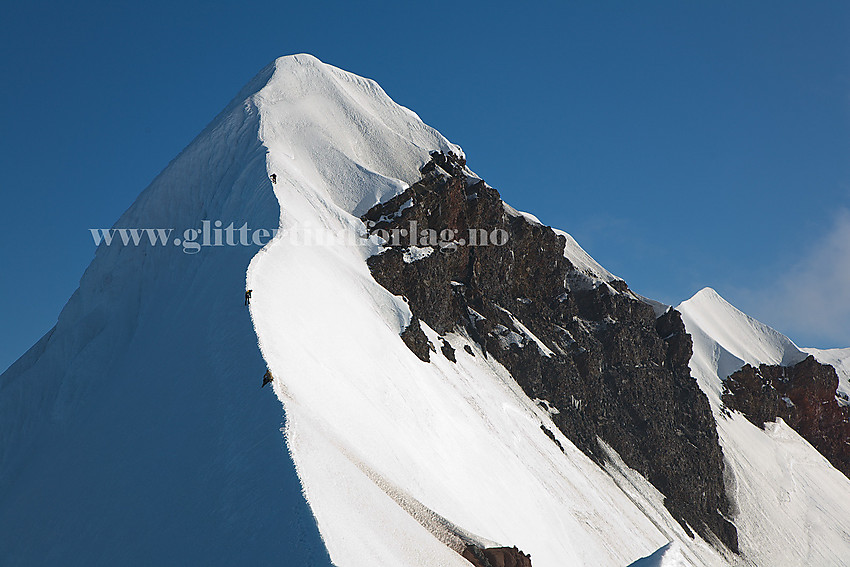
(683, 144)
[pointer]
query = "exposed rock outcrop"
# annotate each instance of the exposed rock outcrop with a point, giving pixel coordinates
(589, 347)
(496, 557)
(803, 395)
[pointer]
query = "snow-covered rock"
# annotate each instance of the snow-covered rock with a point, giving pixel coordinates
(838, 358)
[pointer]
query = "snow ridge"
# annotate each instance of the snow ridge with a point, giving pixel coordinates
(138, 418)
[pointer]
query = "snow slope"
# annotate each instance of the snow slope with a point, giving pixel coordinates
(791, 503)
(667, 556)
(135, 431)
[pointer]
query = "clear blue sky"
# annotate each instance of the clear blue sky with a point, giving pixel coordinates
(683, 144)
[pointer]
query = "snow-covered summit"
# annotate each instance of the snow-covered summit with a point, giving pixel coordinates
(741, 335)
(340, 135)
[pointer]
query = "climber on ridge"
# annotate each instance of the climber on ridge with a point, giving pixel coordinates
(273, 177)
(248, 297)
(267, 377)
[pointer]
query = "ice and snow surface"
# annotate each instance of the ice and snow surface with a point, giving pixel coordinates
(741, 335)
(668, 556)
(416, 253)
(136, 432)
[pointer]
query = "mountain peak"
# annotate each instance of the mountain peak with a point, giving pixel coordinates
(739, 334)
(709, 294)
(339, 136)
(298, 58)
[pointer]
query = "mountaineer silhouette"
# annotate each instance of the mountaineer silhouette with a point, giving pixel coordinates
(267, 377)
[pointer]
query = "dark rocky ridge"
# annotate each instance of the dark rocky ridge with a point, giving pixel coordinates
(496, 557)
(803, 395)
(615, 371)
